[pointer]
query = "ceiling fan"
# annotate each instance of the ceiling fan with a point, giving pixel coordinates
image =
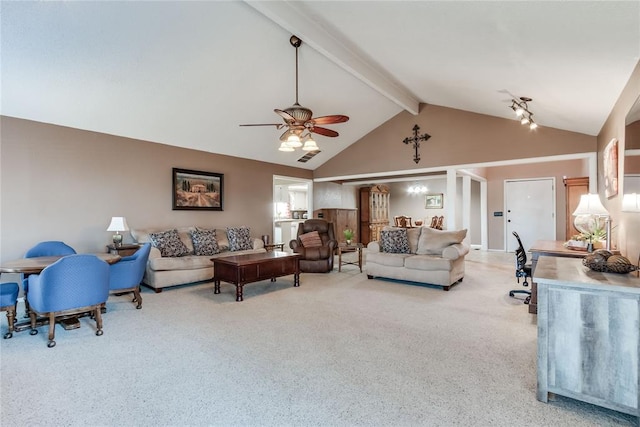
(299, 122)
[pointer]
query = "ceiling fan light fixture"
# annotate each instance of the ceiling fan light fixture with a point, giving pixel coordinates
(310, 145)
(294, 141)
(524, 120)
(285, 147)
(533, 125)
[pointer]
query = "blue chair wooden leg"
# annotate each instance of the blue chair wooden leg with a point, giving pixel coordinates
(8, 303)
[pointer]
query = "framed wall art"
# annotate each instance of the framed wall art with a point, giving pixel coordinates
(434, 201)
(610, 163)
(197, 190)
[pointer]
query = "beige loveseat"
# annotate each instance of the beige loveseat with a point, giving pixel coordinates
(162, 272)
(424, 255)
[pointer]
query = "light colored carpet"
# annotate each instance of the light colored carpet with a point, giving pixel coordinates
(340, 350)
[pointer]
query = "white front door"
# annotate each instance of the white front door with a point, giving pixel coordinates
(530, 211)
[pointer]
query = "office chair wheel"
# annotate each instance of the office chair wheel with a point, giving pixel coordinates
(99, 332)
(33, 332)
(511, 294)
(8, 335)
(527, 299)
(51, 344)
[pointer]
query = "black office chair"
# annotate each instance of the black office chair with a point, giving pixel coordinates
(522, 270)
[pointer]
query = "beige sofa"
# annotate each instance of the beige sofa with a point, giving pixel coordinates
(162, 272)
(433, 257)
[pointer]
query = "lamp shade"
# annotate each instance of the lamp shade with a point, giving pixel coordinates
(590, 204)
(631, 202)
(118, 223)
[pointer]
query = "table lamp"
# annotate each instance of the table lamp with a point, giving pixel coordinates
(118, 224)
(588, 216)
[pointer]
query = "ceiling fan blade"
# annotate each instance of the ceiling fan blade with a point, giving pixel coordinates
(277, 125)
(324, 131)
(288, 117)
(327, 120)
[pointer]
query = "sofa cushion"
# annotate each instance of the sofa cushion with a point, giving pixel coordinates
(413, 234)
(394, 241)
(311, 239)
(389, 260)
(188, 262)
(221, 237)
(204, 242)
(433, 241)
(239, 238)
(427, 263)
(169, 243)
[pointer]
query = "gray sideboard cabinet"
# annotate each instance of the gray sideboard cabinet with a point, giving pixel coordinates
(588, 335)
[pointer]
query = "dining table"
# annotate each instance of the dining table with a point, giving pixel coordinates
(35, 265)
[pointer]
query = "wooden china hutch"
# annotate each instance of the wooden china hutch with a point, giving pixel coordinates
(374, 212)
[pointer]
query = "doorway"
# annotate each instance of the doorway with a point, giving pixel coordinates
(530, 211)
(292, 204)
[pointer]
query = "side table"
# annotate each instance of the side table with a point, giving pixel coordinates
(271, 246)
(123, 250)
(353, 247)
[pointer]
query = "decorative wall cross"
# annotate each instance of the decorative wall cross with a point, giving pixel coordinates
(415, 140)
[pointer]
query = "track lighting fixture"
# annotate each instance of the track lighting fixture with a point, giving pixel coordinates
(521, 108)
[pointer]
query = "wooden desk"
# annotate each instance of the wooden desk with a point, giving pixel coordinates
(552, 248)
(588, 337)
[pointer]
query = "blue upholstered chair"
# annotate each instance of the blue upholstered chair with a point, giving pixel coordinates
(49, 248)
(8, 302)
(126, 274)
(72, 285)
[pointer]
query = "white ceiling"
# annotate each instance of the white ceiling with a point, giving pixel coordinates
(188, 73)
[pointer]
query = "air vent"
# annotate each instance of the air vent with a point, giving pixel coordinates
(308, 156)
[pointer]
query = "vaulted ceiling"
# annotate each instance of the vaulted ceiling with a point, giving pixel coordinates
(188, 73)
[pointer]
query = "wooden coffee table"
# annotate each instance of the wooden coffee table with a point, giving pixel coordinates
(243, 269)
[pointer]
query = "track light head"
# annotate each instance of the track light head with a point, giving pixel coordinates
(521, 108)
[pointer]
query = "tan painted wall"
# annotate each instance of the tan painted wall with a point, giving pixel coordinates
(457, 137)
(495, 192)
(65, 184)
(627, 224)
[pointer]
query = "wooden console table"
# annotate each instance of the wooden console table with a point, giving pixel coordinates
(552, 248)
(588, 335)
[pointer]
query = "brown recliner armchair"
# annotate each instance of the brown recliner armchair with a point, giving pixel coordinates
(317, 259)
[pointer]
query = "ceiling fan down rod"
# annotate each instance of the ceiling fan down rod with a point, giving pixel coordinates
(296, 42)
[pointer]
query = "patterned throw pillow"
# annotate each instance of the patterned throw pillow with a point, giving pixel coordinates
(204, 242)
(239, 238)
(169, 243)
(311, 240)
(395, 241)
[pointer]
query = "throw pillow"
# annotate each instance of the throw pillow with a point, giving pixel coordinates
(239, 238)
(169, 243)
(394, 241)
(204, 242)
(433, 241)
(311, 239)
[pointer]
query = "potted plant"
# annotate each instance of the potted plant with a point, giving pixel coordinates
(348, 235)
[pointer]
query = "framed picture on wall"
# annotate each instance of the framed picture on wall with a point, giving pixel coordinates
(196, 190)
(610, 163)
(434, 201)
